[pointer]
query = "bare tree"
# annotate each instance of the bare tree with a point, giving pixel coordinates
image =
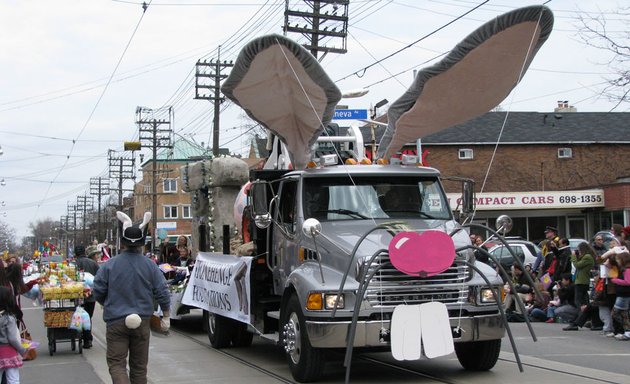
(43, 230)
(610, 31)
(7, 238)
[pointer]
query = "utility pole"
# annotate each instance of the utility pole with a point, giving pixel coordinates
(208, 77)
(83, 203)
(64, 222)
(321, 19)
(99, 186)
(120, 169)
(153, 135)
(73, 212)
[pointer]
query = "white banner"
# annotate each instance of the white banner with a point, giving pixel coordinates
(533, 200)
(220, 284)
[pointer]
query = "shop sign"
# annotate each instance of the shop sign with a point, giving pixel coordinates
(533, 200)
(219, 284)
(167, 225)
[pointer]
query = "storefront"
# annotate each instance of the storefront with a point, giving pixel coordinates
(576, 214)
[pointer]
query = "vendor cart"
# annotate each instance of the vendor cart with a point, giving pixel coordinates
(58, 310)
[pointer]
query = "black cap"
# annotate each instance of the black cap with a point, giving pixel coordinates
(551, 229)
(79, 250)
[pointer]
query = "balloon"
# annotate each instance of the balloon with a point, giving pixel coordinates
(45, 243)
(41, 248)
(52, 247)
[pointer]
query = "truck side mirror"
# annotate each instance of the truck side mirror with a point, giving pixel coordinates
(259, 204)
(504, 224)
(468, 196)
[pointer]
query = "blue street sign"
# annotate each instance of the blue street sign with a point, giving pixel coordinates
(350, 114)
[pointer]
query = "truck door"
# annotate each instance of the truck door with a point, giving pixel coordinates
(284, 246)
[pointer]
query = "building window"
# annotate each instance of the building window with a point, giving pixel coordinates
(170, 186)
(565, 153)
(465, 154)
(186, 212)
(170, 211)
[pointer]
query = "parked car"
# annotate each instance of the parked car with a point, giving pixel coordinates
(525, 250)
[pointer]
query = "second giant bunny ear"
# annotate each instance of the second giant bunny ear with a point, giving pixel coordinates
(471, 80)
(284, 88)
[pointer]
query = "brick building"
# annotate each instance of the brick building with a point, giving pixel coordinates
(174, 215)
(564, 168)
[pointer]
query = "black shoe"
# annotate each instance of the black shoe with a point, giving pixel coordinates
(87, 344)
(597, 328)
(571, 327)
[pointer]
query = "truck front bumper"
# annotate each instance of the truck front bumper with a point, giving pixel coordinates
(327, 334)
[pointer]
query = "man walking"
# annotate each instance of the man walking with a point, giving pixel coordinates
(127, 286)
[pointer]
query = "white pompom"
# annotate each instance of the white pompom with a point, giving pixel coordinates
(133, 321)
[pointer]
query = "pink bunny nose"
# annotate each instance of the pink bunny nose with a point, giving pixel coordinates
(426, 254)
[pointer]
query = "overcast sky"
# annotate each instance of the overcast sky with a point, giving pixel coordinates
(59, 113)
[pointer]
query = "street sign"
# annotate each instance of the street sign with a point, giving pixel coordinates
(350, 114)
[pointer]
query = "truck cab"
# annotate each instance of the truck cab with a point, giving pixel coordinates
(305, 274)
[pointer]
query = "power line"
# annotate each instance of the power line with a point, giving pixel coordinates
(356, 73)
(95, 106)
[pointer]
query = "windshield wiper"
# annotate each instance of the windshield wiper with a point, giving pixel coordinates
(344, 212)
(422, 214)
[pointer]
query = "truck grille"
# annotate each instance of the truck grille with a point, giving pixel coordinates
(390, 287)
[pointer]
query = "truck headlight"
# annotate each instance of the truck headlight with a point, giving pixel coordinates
(331, 299)
(317, 301)
(486, 296)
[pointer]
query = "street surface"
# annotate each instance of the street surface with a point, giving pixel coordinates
(186, 357)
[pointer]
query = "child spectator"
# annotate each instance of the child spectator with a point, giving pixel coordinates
(11, 349)
(538, 310)
(609, 270)
(622, 303)
(563, 307)
(521, 285)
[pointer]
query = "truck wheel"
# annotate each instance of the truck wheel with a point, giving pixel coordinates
(478, 355)
(306, 363)
(219, 330)
(241, 337)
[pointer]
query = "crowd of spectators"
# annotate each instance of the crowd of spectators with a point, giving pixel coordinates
(588, 287)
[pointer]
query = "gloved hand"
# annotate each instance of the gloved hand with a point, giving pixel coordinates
(165, 322)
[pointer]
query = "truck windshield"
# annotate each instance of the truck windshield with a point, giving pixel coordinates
(374, 197)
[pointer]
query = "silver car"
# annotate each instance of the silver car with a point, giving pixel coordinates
(525, 250)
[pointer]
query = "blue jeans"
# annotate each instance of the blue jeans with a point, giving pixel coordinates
(622, 303)
(538, 314)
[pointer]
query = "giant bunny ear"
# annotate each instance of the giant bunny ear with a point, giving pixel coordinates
(283, 87)
(124, 219)
(471, 80)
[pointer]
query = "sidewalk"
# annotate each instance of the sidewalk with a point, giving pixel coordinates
(173, 359)
(65, 366)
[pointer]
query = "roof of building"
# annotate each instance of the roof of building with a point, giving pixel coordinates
(183, 149)
(532, 128)
(539, 127)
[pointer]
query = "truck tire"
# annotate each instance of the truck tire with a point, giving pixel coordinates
(478, 355)
(306, 363)
(220, 330)
(241, 337)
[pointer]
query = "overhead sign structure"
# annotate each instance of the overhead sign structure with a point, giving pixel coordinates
(350, 114)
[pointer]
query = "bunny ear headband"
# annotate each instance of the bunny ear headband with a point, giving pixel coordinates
(133, 235)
